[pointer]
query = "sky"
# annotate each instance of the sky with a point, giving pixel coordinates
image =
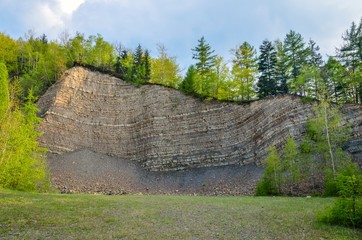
(178, 24)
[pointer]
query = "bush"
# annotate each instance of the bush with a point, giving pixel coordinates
(344, 212)
(347, 211)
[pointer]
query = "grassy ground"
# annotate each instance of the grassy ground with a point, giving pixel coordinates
(54, 216)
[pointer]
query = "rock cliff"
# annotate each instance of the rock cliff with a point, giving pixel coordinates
(163, 129)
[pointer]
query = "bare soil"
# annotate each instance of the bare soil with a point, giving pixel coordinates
(89, 172)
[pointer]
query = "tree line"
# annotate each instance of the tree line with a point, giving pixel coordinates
(288, 66)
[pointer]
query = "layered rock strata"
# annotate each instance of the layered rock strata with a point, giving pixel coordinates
(163, 129)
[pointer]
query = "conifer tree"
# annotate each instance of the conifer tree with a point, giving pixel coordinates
(205, 62)
(282, 68)
(351, 56)
(296, 53)
(267, 84)
(147, 65)
(188, 82)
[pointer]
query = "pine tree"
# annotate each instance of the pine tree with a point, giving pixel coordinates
(333, 75)
(267, 84)
(351, 55)
(188, 82)
(205, 58)
(282, 69)
(147, 65)
(296, 53)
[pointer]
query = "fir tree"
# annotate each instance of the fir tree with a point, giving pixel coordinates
(267, 84)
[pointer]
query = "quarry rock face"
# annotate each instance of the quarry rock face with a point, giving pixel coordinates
(164, 129)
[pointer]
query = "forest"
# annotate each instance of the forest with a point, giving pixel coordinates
(288, 66)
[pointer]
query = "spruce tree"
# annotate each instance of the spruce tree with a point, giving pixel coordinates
(351, 56)
(188, 82)
(282, 69)
(205, 58)
(147, 65)
(267, 84)
(296, 53)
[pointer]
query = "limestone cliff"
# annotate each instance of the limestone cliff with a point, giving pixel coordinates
(164, 129)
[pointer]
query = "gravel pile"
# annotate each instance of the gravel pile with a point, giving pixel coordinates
(88, 172)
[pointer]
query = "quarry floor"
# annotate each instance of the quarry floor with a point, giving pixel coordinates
(87, 172)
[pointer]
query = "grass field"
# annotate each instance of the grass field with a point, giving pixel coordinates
(55, 216)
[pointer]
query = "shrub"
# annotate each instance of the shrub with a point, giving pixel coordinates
(347, 210)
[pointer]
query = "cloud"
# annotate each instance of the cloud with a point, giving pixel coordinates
(179, 24)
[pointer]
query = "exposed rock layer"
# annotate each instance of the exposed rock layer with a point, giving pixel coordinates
(164, 129)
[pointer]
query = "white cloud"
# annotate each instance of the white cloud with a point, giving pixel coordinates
(69, 6)
(178, 24)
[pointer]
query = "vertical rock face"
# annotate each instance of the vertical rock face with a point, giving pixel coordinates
(164, 129)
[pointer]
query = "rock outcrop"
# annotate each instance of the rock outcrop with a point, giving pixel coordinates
(163, 129)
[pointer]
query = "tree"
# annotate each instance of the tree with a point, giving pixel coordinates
(296, 53)
(205, 58)
(270, 184)
(22, 164)
(351, 55)
(4, 91)
(138, 67)
(101, 53)
(282, 70)
(267, 84)
(146, 62)
(8, 53)
(333, 74)
(244, 70)
(164, 69)
(188, 82)
(290, 168)
(327, 136)
(223, 83)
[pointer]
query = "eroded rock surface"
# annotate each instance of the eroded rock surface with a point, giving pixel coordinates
(163, 129)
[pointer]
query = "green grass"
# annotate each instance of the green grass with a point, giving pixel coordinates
(55, 216)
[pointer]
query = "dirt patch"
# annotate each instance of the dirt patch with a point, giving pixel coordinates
(88, 172)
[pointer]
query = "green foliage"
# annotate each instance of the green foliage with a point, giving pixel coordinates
(347, 210)
(296, 54)
(267, 84)
(22, 163)
(290, 168)
(270, 184)
(245, 69)
(188, 82)
(165, 70)
(4, 91)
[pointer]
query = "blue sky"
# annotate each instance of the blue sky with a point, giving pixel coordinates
(178, 24)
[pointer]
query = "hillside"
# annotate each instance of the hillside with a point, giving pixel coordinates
(160, 129)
